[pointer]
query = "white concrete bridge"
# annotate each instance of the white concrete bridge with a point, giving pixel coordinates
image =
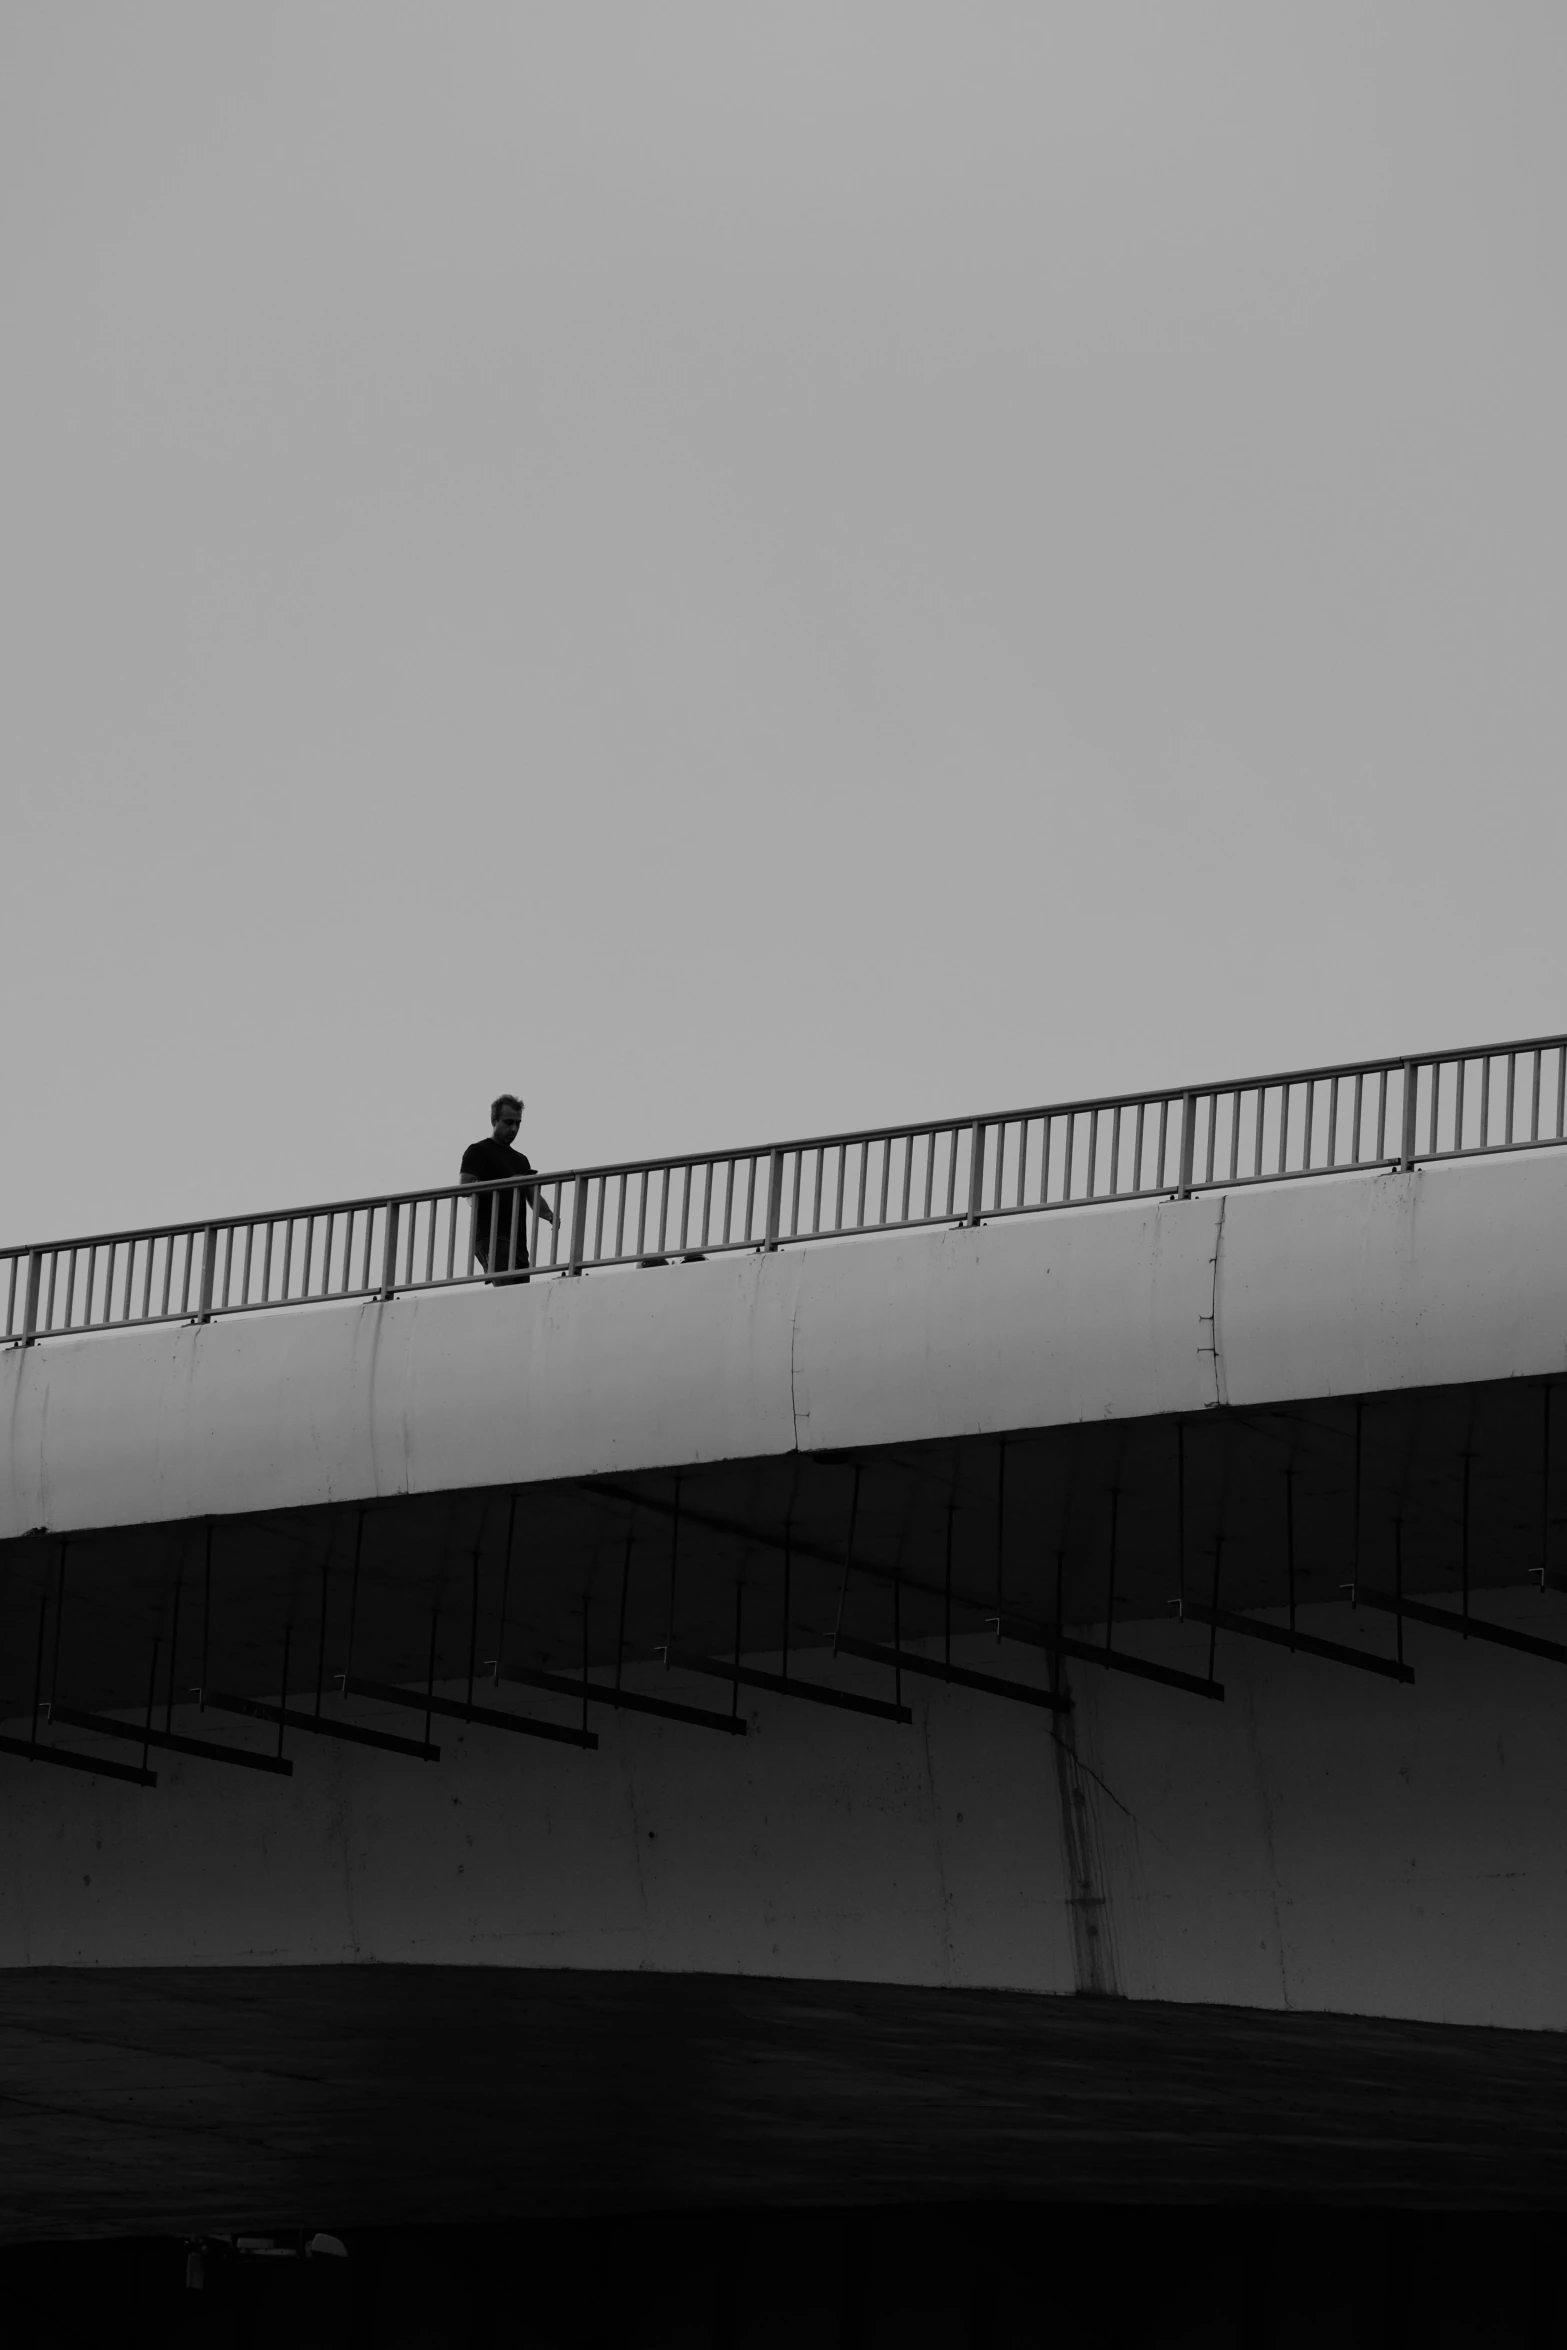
(738, 1701)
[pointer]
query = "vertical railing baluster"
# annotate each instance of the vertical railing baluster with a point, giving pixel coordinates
(1188, 1144)
(579, 1222)
(775, 1200)
(35, 1266)
(209, 1267)
(389, 1253)
(976, 1172)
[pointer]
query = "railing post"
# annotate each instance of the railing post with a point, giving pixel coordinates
(775, 1174)
(35, 1268)
(388, 1287)
(579, 1223)
(1406, 1158)
(1188, 1144)
(209, 1266)
(976, 1174)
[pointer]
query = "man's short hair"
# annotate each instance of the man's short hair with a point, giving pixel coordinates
(504, 1101)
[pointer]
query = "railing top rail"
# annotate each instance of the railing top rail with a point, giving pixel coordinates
(845, 1138)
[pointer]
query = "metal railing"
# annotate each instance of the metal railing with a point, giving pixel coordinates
(1364, 1115)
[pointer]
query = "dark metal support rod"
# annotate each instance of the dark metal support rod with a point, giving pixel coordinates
(59, 1617)
(688, 1660)
(734, 1703)
(174, 1650)
(473, 1622)
(511, 1528)
(630, 1701)
(38, 1666)
(143, 1734)
(933, 1669)
(1118, 1661)
(66, 1758)
(1467, 1628)
(1180, 1505)
(452, 1708)
(620, 1633)
(353, 1597)
(206, 1603)
(152, 1682)
(848, 1556)
(224, 1701)
(1544, 1488)
(674, 1556)
(788, 1565)
(1278, 1635)
(1355, 1537)
(897, 1643)
(1464, 1540)
(326, 1569)
(947, 1589)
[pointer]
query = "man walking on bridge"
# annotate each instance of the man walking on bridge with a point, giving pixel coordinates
(493, 1161)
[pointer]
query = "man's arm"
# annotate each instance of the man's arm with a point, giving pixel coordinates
(533, 1200)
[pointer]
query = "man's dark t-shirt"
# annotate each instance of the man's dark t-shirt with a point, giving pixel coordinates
(490, 1161)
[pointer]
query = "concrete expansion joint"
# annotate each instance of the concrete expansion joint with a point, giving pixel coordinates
(1210, 1320)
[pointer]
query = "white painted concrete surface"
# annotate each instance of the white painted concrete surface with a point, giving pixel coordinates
(1322, 1841)
(1320, 1288)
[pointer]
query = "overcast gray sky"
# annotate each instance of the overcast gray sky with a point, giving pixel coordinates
(741, 570)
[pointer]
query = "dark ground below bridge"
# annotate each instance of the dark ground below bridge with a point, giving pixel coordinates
(185, 2101)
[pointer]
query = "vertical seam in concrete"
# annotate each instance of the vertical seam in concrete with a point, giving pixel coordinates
(1093, 1948)
(1211, 1317)
(794, 1400)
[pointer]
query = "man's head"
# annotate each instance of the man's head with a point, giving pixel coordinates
(505, 1117)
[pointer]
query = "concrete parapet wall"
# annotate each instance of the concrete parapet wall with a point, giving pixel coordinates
(1312, 1289)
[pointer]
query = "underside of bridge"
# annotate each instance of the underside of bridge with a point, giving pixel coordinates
(1098, 1529)
(186, 2096)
